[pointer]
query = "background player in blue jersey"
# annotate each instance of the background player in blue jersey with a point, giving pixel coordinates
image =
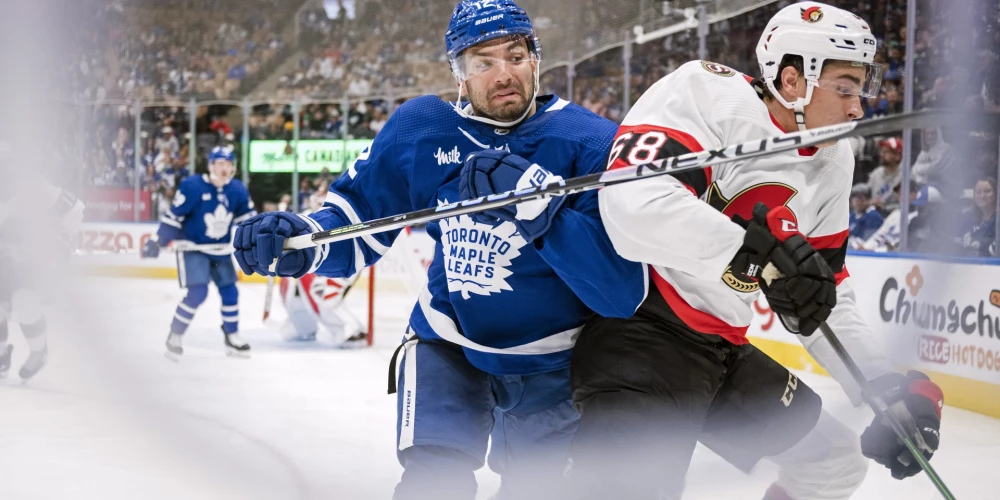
(487, 351)
(203, 212)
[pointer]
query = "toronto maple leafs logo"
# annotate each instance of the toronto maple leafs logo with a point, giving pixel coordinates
(179, 199)
(217, 223)
(477, 256)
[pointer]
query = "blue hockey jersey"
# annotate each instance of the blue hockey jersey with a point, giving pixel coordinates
(204, 214)
(515, 308)
(864, 225)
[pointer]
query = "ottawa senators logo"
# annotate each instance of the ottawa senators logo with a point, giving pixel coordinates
(812, 14)
(718, 69)
(772, 194)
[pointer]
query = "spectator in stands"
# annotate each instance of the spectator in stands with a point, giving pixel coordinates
(379, 117)
(933, 164)
(929, 229)
(123, 148)
(876, 107)
(165, 199)
(865, 219)
(164, 158)
(305, 191)
(978, 231)
(168, 139)
(151, 179)
(894, 100)
(120, 176)
(324, 177)
(887, 176)
(174, 174)
(887, 237)
(285, 203)
(220, 127)
(317, 198)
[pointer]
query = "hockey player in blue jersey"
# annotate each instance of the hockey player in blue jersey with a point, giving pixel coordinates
(487, 352)
(203, 212)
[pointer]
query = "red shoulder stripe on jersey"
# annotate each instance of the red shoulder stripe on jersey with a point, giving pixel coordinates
(833, 248)
(699, 321)
(842, 275)
(835, 240)
(666, 142)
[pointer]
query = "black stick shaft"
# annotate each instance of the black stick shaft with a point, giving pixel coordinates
(880, 409)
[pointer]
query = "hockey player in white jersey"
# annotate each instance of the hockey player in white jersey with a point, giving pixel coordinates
(315, 305)
(37, 221)
(681, 370)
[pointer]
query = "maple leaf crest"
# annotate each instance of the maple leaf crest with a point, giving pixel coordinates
(217, 223)
(478, 256)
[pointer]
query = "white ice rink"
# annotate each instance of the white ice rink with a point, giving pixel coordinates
(112, 418)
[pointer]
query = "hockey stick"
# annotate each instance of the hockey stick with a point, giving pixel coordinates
(177, 247)
(673, 165)
(876, 403)
(882, 410)
(268, 294)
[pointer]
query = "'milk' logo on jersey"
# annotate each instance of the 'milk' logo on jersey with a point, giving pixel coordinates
(445, 157)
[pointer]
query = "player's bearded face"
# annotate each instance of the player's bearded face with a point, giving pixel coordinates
(503, 78)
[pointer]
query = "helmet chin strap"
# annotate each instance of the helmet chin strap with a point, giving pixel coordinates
(799, 106)
(467, 112)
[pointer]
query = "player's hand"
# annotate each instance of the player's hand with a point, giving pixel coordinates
(259, 240)
(916, 402)
(495, 171)
(150, 249)
(804, 290)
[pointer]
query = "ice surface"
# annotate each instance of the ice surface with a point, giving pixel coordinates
(111, 418)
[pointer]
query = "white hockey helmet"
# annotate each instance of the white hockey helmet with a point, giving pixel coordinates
(817, 32)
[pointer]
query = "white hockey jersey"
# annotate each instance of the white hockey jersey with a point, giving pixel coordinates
(681, 224)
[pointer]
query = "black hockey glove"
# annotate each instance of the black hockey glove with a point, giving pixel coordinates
(798, 283)
(916, 402)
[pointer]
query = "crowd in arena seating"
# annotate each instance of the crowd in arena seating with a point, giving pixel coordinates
(182, 48)
(381, 50)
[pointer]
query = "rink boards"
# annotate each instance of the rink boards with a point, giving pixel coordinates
(939, 316)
